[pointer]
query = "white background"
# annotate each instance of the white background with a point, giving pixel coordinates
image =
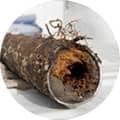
(109, 10)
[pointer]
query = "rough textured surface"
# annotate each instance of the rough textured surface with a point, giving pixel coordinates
(29, 57)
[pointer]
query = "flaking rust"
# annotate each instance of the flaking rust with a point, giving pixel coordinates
(57, 65)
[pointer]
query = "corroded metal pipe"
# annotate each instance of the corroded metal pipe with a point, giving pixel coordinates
(67, 72)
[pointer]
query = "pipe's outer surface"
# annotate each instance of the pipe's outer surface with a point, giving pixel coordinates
(30, 57)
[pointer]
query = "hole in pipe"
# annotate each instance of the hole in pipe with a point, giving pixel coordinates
(77, 69)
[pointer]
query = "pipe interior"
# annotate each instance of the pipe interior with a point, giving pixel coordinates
(75, 71)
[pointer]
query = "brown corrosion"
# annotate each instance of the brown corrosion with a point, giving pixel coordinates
(76, 68)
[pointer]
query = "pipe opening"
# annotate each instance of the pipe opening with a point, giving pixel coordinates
(77, 69)
(74, 75)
